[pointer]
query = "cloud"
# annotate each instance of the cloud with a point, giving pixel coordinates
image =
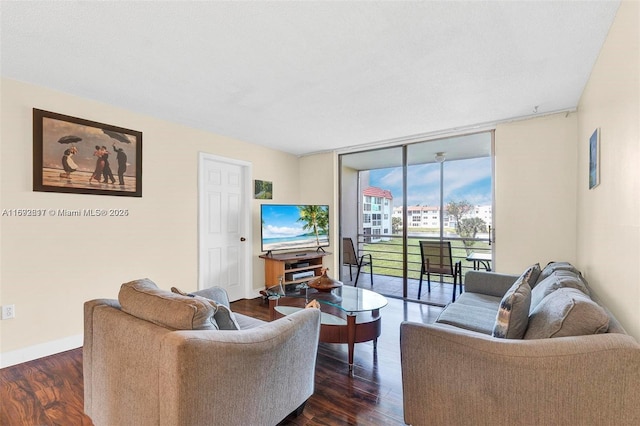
(389, 178)
(469, 180)
(270, 231)
(463, 180)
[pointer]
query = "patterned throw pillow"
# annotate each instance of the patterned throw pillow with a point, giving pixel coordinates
(513, 315)
(533, 274)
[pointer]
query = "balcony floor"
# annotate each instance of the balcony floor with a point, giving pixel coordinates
(392, 286)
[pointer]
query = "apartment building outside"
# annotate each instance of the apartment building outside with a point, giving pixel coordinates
(377, 205)
(483, 212)
(429, 216)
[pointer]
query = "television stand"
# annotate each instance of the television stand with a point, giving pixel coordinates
(294, 267)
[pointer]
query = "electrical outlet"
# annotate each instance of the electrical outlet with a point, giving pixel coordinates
(8, 311)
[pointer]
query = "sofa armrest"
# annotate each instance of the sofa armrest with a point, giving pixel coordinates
(490, 283)
(208, 377)
(87, 346)
(455, 376)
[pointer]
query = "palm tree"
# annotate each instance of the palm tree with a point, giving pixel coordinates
(316, 219)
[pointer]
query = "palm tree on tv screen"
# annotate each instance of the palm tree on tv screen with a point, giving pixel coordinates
(316, 219)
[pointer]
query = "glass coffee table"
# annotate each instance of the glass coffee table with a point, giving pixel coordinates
(349, 314)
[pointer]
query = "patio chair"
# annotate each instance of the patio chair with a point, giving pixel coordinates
(437, 259)
(350, 258)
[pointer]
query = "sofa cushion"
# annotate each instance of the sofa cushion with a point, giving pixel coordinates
(479, 299)
(513, 314)
(143, 299)
(223, 317)
(469, 317)
(558, 279)
(566, 312)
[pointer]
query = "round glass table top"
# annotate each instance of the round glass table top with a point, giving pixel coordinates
(347, 298)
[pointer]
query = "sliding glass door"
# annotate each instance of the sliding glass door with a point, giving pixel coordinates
(392, 198)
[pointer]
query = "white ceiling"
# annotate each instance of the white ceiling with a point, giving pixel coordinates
(306, 77)
(453, 148)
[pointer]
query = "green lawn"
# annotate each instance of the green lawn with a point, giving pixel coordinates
(387, 256)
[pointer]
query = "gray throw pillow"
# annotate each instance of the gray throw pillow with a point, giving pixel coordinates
(555, 266)
(558, 279)
(513, 314)
(566, 312)
(223, 317)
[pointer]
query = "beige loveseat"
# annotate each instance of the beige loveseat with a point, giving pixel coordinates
(568, 362)
(144, 364)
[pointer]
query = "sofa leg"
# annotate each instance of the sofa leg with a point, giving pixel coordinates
(295, 413)
(299, 410)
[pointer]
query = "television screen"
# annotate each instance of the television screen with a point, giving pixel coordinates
(291, 226)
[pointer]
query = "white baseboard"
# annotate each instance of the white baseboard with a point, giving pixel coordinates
(7, 359)
(255, 293)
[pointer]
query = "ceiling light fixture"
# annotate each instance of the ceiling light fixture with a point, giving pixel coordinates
(440, 157)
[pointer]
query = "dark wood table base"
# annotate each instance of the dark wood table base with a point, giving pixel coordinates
(359, 327)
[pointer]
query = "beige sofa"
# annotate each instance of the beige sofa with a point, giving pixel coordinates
(144, 364)
(573, 363)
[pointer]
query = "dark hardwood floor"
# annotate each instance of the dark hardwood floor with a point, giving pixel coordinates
(49, 391)
(46, 391)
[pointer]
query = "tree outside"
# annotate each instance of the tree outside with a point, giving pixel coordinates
(466, 228)
(396, 225)
(458, 209)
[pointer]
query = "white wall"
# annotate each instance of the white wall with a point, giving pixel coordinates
(49, 266)
(350, 204)
(319, 185)
(544, 208)
(608, 237)
(535, 192)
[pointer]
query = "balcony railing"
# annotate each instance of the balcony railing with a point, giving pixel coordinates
(386, 252)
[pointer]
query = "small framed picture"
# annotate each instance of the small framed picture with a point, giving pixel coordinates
(263, 190)
(75, 155)
(594, 159)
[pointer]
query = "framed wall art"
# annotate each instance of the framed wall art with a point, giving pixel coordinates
(263, 190)
(75, 155)
(594, 159)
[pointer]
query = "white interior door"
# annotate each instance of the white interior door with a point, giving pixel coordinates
(224, 225)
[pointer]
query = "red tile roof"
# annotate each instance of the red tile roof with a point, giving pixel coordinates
(373, 191)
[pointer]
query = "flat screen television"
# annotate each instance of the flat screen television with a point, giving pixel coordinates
(294, 226)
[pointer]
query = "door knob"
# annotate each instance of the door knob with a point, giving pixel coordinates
(243, 239)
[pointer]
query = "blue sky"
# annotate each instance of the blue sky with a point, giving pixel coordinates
(280, 221)
(468, 180)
